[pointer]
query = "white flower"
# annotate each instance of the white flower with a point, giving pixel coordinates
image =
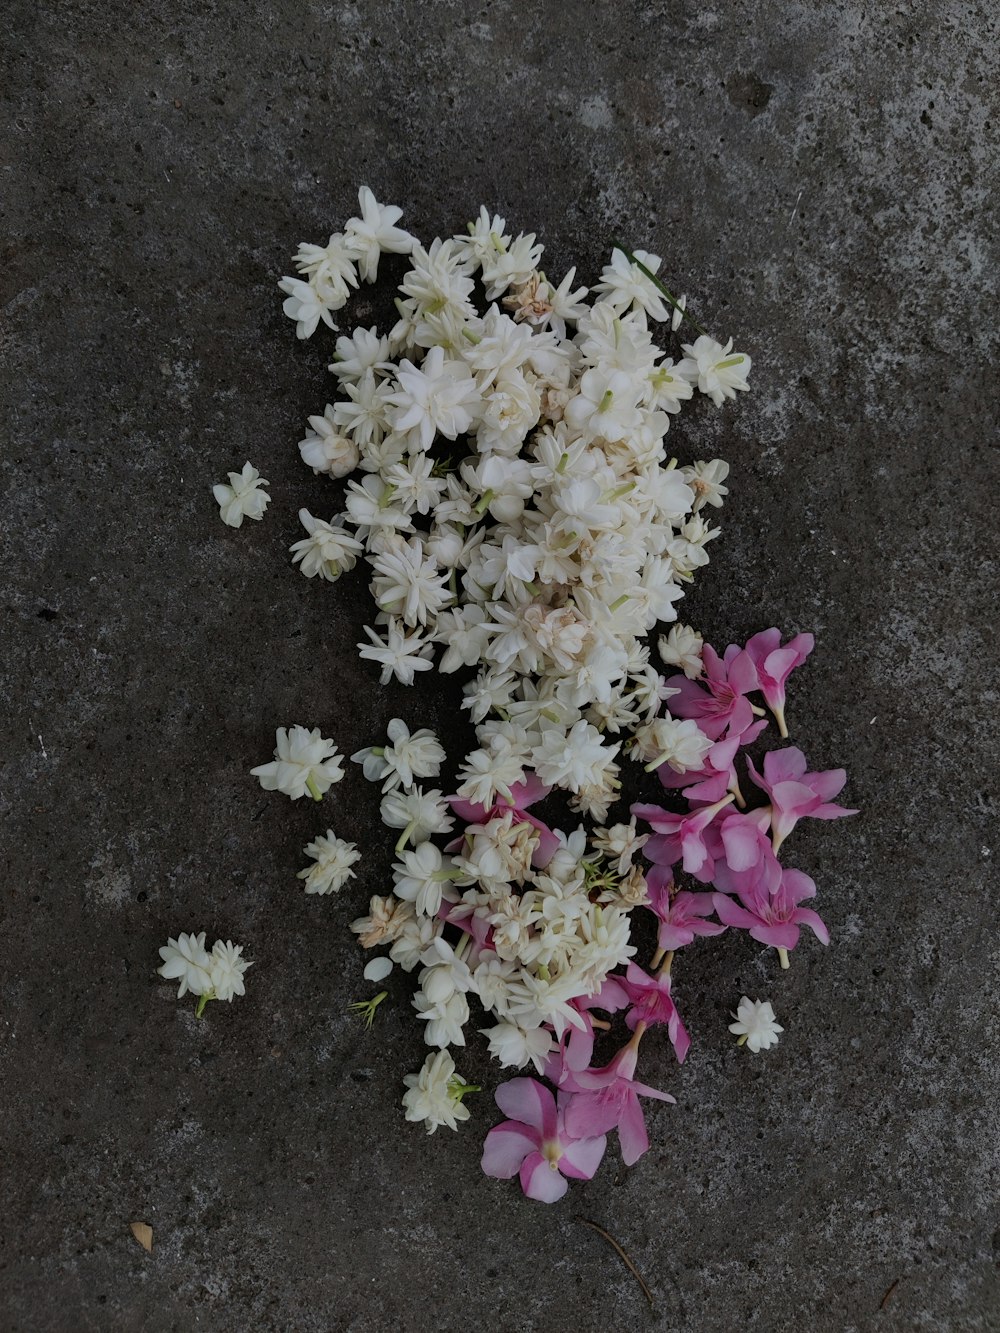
(307, 304)
(755, 1024)
(682, 745)
(363, 350)
(243, 497)
(325, 450)
(574, 759)
(706, 479)
(440, 396)
(624, 284)
(420, 877)
(226, 970)
(375, 231)
(682, 648)
(303, 761)
(515, 1047)
(605, 406)
(328, 550)
(399, 654)
(509, 264)
(334, 858)
(621, 843)
(186, 959)
(407, 756)
(385, 921)
(717, 370)
(417, 812)
(407, 583)
(434, 1095)
(445, 1020)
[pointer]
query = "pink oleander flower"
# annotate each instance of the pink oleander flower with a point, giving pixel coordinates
(796, 794)
(775, 664)
(653, 1003)
(535, 1143)
(681, 837)
(774, 918)
(608, 1098)
(523, 794)
(722, 702)
(682, 916)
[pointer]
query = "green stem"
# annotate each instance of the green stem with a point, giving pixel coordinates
(202, 1001)
(312, 789)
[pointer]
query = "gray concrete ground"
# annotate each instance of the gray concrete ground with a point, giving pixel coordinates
(822, 181)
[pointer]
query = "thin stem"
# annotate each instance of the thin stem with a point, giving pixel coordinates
(667, 963)
(783, 957)
(202, 1001)
(312, 788)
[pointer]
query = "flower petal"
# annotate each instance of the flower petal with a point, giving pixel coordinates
(505, 1148)
(582, 1157)
(539, 1180)
(526, 1099)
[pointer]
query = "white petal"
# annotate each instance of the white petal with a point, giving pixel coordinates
(378, 969)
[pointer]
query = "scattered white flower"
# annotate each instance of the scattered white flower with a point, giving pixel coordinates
(718, 371)
(328, 550)
(226, 970)
(705, 480)
(185, 959)
(755, 1025)
(375, 231)
(244, 497)
(211, 976)
(304, 761)
(334, 858)
(434, 1095)
(681, 647)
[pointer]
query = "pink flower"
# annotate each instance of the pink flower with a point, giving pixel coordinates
(744, 858)
(796, 794)
(774, 918)
(535, 1143)
(608, 1098)
(775, 664)
(722, 703)
(681, 837)
(681, 917)
(523, 794)
(653, 1003)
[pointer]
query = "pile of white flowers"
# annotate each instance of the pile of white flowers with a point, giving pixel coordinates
(517, 507)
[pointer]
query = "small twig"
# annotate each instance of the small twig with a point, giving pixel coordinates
(621, 1254)
(886, 1298)
(658, 284)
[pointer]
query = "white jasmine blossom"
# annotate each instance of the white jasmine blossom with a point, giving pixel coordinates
(716, 369)
(226, 970)
(681, 648)
(244, 497)
(327, 551)
(755, 1025)
(325, 449)
(705, 480)
(375, 231)
(304, 761)
(334, 858)
(186, 960)
(434, 1096)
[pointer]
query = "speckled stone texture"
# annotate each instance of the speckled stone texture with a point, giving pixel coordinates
(822, 181)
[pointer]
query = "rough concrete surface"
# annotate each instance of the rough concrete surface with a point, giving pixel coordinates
(822, 181)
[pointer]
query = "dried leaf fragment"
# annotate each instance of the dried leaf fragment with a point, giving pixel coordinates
(143, 1233)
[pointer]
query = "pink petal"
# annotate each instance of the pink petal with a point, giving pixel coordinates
(742, 843)
(743, 674)
(539, 1180)
(590, 1114)
(632, 1137)
(525, 1099)
(783, 935)
(529, 791)
(732, 914)
(662, 820)
(582, 1157)
(505, 1148)
(786, 765)
(807, 917)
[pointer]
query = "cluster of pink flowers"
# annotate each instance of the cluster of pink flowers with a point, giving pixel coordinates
(718, 843)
